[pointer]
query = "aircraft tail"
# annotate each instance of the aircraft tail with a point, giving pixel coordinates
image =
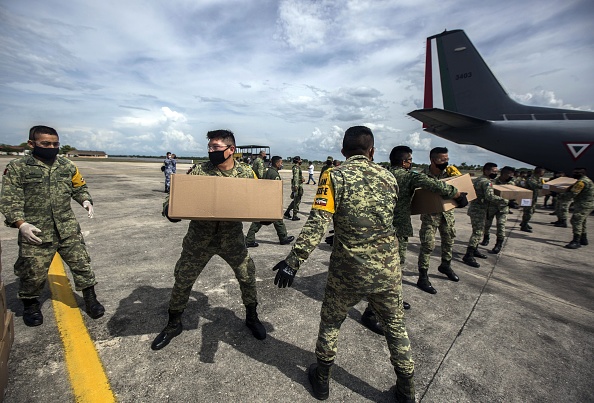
(457, 79)
(435, 119)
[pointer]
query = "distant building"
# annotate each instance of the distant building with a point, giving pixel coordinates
(12, 150)
(86, 154)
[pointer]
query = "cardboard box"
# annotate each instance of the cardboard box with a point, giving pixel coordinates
(559, 185)
(217, 198)
(511, 192)
(5, 346)
(427, 202)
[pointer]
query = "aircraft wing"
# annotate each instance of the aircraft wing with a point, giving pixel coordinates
(436, 119)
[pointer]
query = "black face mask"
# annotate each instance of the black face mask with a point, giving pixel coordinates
(492, 176)
(577, 176)
(46, 154)
(508, 179)
(442, 166)
(218, 157)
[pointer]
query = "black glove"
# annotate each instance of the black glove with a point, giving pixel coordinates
(513, 204)
(462, 201)
(330, 240)
(285, 275)
(165, 212)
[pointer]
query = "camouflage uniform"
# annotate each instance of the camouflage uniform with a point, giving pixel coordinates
(533, 183)
(279, 225)
(499, 212)
(259, 168)
(360, 197)
(477, 211)
(562, 203)
(40, 195)
(430, 223)
(208, 238)
(408, 181)
(297, 189)
(583, 204)
(170, 168)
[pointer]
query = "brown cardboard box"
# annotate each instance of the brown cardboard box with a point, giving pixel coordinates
(559, 185)
(5, 346)
(426, 202)
(511, 192)
(217, 198)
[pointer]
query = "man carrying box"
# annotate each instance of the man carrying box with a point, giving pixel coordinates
(208, 238)
(495, 210)
(533, 183)
(583, 205)
(478, 211)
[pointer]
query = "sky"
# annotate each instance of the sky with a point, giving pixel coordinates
(147, 77)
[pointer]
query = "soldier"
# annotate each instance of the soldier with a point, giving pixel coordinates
(495, 210)
(328, 165)
(170, 165)
(360, 198)
(408, 181)
(279, 226)
(478, 211)
(533, 183)
(208, 238)
(431, 223)
(562, 203)
(296, 188)
(258, 165)
(36, 193)
(583, 205)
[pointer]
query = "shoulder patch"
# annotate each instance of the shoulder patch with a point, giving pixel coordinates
(324, 198)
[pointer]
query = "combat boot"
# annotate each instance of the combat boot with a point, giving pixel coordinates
(32, 315)
(369, 320)
(584, 239)
(478, 254)
(405, 388)
(446, 269)
(174, 328)
(485, 240)
(92, 306)
(424, 284)
(497, 248)
(469, 258)
(295, 218)
(319, 378)
(253, 323)
(575, 243)
(561, 223)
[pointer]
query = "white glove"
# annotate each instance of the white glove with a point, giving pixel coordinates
(89, 207)
(28, 232)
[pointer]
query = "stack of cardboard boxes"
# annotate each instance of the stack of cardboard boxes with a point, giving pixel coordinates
(7, 334)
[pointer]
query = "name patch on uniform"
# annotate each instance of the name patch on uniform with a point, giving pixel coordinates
(324, 199)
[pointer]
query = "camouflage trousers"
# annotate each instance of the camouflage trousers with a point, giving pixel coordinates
(562, 203)
(528, 213)
(387, 305)
(279, 226)
(500, 217)
(198, 249)
(33, 264)
(167, 181)
(427, 236)
(296, 201)
(477, 220)
(402, 245)
(579, 218)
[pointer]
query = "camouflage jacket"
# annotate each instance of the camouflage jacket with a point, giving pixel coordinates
(484, 196)
(259, 168)
(408, 181)
(447, 215)
(534, 183)
(272, 174)
(40, 194)
(583, 191)
(360, 197)
(297, 179)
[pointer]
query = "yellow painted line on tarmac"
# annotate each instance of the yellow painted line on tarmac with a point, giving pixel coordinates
(87, 375)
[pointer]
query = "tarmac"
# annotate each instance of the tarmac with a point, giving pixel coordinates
(517, 329)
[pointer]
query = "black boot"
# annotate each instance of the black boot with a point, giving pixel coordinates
(498, 246)
(319, 378)
(287, 240)
(405, 305)
(369, 320)
(253, 323)
(469, 258)
(287, 214)
(295, 218)
(561, 224)
(32, 315)
(174, 328)
(584, 239)
(575, 243)
(478, 254)
(424, 284)
(405, 388)
(525, 227)
(446, 269)
(92, 306)
(485, 240)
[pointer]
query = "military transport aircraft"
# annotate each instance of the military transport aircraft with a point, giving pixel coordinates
(465, 103)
